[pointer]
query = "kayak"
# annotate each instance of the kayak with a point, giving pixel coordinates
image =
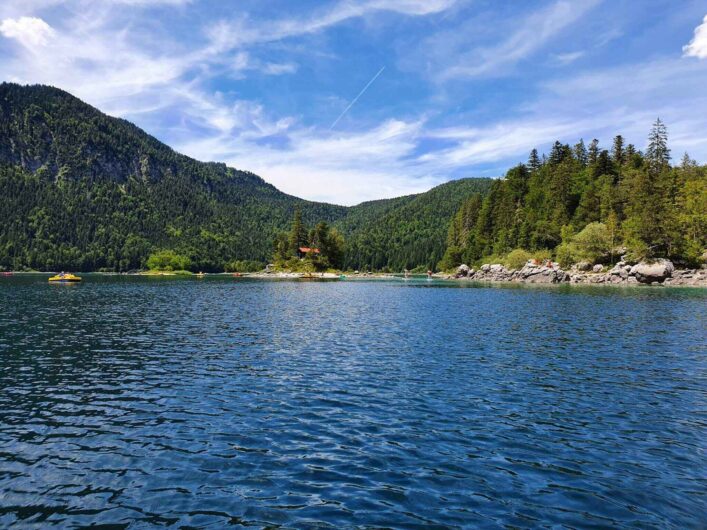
(65, 278)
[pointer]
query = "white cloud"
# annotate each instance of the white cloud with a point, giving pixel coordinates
(697, 47)
(128, 65)
(236, 33)
(31, 32)
(279, 68)
(530, 35)
(344, 168)
(564, 59)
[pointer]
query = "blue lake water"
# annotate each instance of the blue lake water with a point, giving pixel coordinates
(185, 403)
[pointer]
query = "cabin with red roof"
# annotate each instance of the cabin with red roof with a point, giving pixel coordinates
(303, 251)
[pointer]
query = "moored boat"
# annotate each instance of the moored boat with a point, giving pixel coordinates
(65, 277)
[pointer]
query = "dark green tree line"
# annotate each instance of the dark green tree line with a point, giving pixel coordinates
(589, 205)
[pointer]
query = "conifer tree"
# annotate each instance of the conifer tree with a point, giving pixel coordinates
(534, 161)
(658, 154)
(298, 233)
(593, 151)
(580, 153)
(618, 154)
(603, 164)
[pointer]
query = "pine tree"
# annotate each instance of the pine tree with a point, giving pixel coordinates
(534, 163)
(298, 233)
(593, 151)
(580, 153)
(618, 154)
(556, 153)
(603, 164)
(687, 163)
(658, 154)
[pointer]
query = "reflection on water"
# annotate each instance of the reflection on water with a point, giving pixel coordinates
(152, 401)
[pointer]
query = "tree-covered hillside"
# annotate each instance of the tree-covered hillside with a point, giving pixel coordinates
(588, 204)
(85, 191)
(405, 232)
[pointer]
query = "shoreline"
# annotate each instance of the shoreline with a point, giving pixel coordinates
(660, 273)
(494, 275)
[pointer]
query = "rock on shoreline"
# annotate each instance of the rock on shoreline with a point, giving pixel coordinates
(658, 272)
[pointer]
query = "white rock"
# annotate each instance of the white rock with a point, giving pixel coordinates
(655, 271)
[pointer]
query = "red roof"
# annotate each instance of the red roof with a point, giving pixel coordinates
(307, 250)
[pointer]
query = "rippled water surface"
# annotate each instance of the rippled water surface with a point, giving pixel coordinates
(142, 402)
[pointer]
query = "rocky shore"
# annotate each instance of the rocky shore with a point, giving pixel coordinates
(658, 272)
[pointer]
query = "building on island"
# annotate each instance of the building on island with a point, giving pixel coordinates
(303, 251)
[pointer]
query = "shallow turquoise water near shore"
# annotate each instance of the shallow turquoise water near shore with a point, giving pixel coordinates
(205, 403)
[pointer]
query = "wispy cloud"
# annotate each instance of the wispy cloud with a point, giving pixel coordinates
(229, 91)
(697, 47)
(563, 59)
(244, 31)
(529, 36)
(335, 167)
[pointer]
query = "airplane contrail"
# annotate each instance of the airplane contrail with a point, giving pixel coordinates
(354, 100)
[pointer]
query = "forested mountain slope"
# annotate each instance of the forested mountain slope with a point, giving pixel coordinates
(405, 232)
(86, 191)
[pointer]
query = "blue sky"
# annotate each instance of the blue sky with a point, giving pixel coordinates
(467, 87)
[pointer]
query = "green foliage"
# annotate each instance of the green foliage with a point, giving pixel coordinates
(167, 260)
(244, 266)
(584, 204)
(517, 258)
(592, 244)
(325, 243)
(84, 191)
(406, 232)
(298, 234)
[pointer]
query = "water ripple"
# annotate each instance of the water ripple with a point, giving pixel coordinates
(143, 402)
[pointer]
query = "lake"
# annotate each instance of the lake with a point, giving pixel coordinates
(185, 403)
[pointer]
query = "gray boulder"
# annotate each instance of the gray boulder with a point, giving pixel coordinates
(597, 268)
(485, 267)
(619, 271)
(655, 271)
(583, 266)
(463, 271)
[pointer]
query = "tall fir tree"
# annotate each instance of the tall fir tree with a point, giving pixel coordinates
(593, 151)
(534, 163)
(580, 153)
(298, 233)
(658, 153)
(618, 153)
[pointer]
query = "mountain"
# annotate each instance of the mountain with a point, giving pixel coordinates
(408, 231)
(86, 191)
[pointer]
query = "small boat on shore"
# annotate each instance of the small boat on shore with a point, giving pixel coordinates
(65, 277)
(200, 274)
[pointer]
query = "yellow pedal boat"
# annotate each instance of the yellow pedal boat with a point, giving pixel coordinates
(65, 278)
